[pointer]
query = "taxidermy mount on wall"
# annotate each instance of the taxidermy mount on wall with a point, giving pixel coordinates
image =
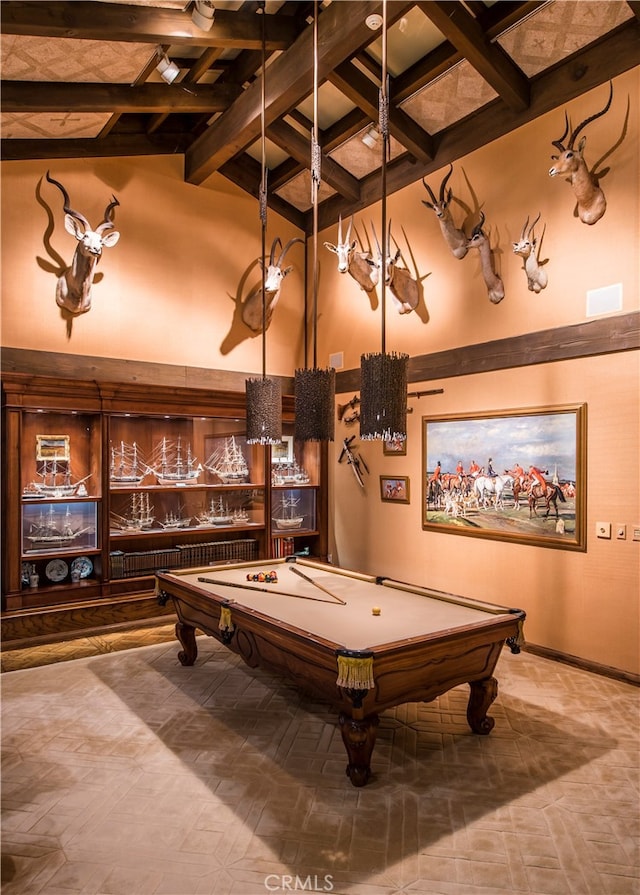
(479, 240)
(274, 275)
(526, 248)
(73, 291)
(454, 236)
(571, 164)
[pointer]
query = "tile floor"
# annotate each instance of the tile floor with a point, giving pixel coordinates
(126, 774)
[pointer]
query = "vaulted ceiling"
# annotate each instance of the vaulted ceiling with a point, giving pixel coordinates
(79, 79)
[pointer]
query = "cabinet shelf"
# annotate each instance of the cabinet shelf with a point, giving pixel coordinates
(114, 442)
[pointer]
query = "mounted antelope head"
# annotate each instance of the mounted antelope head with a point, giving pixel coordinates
(455, 238)
(478, 240)
(73, 291)
(405, 291)
(570, 163)
(537, 278)
(357, 264)
(275, 274)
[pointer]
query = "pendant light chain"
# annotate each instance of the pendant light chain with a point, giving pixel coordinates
(383, 377)
(264, 396)
(315, 388)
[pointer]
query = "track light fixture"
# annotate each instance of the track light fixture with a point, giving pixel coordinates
(169, 71)
(370, 137)
(203, 14)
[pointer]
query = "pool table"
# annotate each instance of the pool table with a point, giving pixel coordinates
(361, 643)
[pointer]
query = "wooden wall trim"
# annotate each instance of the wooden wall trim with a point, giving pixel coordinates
(107, 369)
(617, 674)
(608, 335)
(603, 336)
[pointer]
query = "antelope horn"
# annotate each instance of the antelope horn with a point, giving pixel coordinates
(339, 229)
(526, 224)
(592, 118)
(286, 249)
(429, 190)
(558, 143)
(443, 185)
(375, 236)
(107, 223)
(478, 227)
(67, 208)
(273, 249)
(533, 225)
(349, 229)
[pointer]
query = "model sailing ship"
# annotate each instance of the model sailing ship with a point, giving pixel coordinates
(289, 474)
(217, 514)
(228, 463)
(288, 517)
(173, 466)
(55, 481)
(127, 465)
(140, 516)
(50, 533)
(175, 520)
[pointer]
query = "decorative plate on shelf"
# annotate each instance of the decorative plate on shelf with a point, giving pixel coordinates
(56, 570)
(83, 565)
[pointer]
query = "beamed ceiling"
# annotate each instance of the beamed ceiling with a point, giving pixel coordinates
(79, 80)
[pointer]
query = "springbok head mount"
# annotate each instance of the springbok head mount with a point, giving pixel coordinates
(571, 164)
(344, 247)
(73, 291)
(526, 244)
(439, 205)
(274, 275)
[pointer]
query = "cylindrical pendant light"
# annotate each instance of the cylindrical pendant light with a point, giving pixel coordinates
(264, 395)
(315, 388)
(383, 377)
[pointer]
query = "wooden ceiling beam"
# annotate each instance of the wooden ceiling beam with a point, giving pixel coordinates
(115, 145)
(53, 96)
(364, 93)
(333, 174)
(488, 59)
(145, 24)
(342, 31)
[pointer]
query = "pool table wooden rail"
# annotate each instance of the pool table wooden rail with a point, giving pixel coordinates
(414, 669)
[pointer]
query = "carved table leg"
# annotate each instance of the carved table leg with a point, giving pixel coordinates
(359, 737)
(482, 695)
(186, 634)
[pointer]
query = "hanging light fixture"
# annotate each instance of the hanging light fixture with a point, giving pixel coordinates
(315, 388)
(264, 395)
(383, 377)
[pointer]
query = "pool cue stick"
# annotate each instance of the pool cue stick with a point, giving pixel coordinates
(315, 583)
(264, 590)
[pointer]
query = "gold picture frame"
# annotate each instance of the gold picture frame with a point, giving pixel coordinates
(395, 447)
(523, 476)
(394, 489)
(53, 447)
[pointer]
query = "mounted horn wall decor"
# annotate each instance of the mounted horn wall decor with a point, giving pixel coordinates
(73, 291)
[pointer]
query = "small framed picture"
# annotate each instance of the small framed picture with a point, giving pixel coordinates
(395, 446)
(283, 452)
(53, 447)
(394, 489)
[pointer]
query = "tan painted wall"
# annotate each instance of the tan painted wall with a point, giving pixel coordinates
(183, 250)
(168, 286)
(582, 604)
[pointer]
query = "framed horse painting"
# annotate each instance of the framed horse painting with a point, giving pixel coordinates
(518, 475)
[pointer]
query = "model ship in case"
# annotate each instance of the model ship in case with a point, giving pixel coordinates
(127, 465)
(173, 465)
(56, 481)
(228, 463)
(288, 518)
(51, 533)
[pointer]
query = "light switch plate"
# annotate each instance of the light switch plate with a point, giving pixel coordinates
(621, 531)
(603, 529)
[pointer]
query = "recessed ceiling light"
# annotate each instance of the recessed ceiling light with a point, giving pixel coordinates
(373, 21)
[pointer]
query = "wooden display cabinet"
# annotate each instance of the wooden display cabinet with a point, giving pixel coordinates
(105, 483)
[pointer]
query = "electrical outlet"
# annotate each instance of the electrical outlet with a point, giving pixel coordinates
(636, 532)
(603, 529)
(621, 531)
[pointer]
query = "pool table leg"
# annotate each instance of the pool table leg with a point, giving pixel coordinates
(359, 737)
(186, 634)
(482, 695)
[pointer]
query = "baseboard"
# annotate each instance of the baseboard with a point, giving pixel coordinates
(594, 667)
